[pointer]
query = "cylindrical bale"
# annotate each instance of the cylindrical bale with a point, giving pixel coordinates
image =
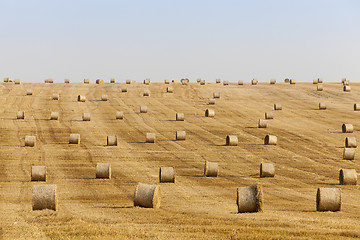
(211, 169)
(169, 90)
(262, 123)
(44, 197)
(250, 199)
(147, 81)
(198, 80)
(180, 117)
(55, 96)
(322, 106)
(277, 106)
(267, 170)
(343, 79)
(350, 142)
(38, 173)
(150, 137)
(112, 80)
(346, 88)
(348, 177)
(103, 170)
(143, 109)
(119, 115)
(328, 199)
(167, 81)
(232, 140)
(66, 80)
(180, 135)
(272, 81)
(20, 115)
(346, 82)
(254, 81)
(349, 154)
(148, 196)
(218, 80)
(270, 140)
(124, 89)
(319, 87)
(320, 80)
(81, 98)
(74, 138)
(287, 80)
(269, 115)
(209, 113)
(211, 101)
(86, 116)
(146, 93)
(292, 81)
(347, 128)
(86, 81)
(29, 141)
(202, 82)
(356, 107)
(240, 82)
(315, 81)
(111, 141)
(17, 81)
(104, 97)
(166, 175)
(49, 80)
(6, 79)
(173, 81)
(128, 81)
(29, 92)
(226, 82)
(54, 116)
(216, 95)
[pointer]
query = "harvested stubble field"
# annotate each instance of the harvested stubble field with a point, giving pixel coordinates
(308, 155)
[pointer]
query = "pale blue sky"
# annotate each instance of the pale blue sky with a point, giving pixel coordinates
(135, 39)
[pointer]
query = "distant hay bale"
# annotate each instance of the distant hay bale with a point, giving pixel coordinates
(209, 113)
(166, 175)
(99, 81)
(49, 80)
(66, 80)
(128, 81)
(216, 95)
(349, 154)
(277, 106)
(20, 115)
(119, 115)
(180, 135)
(55, 96)
(167, 81)
(112, 80)
(202, 82)
(356, 107)
(146, 93)
(240, 82)
(346, 88)
(81, 98)
(292, 81)
(148, 196)
(319, 87)
(111, 141)
(322, 106)
(74, 138)
(150, 137)
(272, 81)
(173, 81)
(147, 81)
(29, 92)
(218, 80)
(250, 199)
(169, 90)
(180, 117)
(6, 79)
(198, 80)
(347, 128)
(17, 81)
(346, 83)
(350, 142)
(270, 140)
(211, 169)
(269, 115)
(143, 109)
(328, 199)
(226, 82)
(184, 81)
(343, 80)
(267, 170)
(262, 123)
(44, 197)
(54, 116)
(124, 89)
(348, 177)
(320, 80)
(38, 173)
(29, 141)
(211, 101)
(104, 97)
(287, 80)
(103, 170)
(315, 81)
(254, 81)
(86, 116)
(232, 140)
(86, 81)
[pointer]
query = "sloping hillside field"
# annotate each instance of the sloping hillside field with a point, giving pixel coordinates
(308, 155)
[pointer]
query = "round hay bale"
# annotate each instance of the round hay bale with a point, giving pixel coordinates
(218, 80)
(111, 141)
(267, 170)
(143, 109)
(148, 196)
(211, 101)
(86, 81)
(147, 81)
(103, 170)
(184, 81)
(356, 107)
(128, 81)
(292, 81)
(211, 169)
(86, 116)
(124, 89)
(240, 82)
(262, 123)
(232, 140)
(269, 115)
(270, 140)
(173, 81)
(119, 115)
(169, 90)
(348, 177)
(104, 97)
(343, 79)
(20, 115)
(49, 80)
(198, 80)
(167, 81)
(81, 98)
(55, 96)
(166, 175)
(346, 83)
(146, 93)
(272, 81)
(322, 106)
(6, 79)
(29, 92)
(99, 81)
(180, 117)
(287, 80)
(29, 141)
(216, 95)
(180, 135)
(209, 113)
(202, 82)
(277, 106)
(349, 154)
(226, 82)
(150, 137)
(319, 87)
(54, 116)
(250, 199)
(254, 81)
(350, 142)
(320, 80)
(112, 80)
(17, 81)
(346, 88)
(44, 197)
(38, 173)
(328, 199)
(347, 128)
(66, 80)
(74, 138)
(315, 81)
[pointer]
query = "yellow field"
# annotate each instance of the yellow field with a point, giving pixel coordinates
(308, 155)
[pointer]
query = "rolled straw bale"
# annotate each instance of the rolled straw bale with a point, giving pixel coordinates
(267, 170)
(17, 81)
(180, 117)
(347, 128)
(111, 141)
(29, 92)
(112, 80)
(86, 117)
(218, 80)
(103, 170)
(343, 80)
(328, 199)
(211, 169)
(124, 89)
(292, 81)
(86, 81)
(104, 97)
(226, 82)
(232, 140)
(81, 98)
(315, 81)
(272, 81)
(99, 81)
(20, 115)
(356, 107)
(254, 81)
(209, 113)
(147, 81)
(44, 197)
(216, 95)
(262, 123)
(270, 140)
(319, 87)
(184, 81)
(269, 115)
(150, 137)
(167, 81)
(55, 96)
(128, 81)
(74, 138)
(173, 81)
(240, 82)
(349, 154)
(143, 109)
(49, 80)
(287, 80)
(29, 141)
(66, 80)
(322, 106)
(169, 90)
(211, 101)
(346, 83)
(350, 142)
(148, 196)
(180, 135)
(348, 177)
(119, 115)
(198, 80)
(6, 79)
(320, 80)
(38, 173)
(250, 199)
(277, 106)
(54, 116)
(166, 175)
(146, 93)
(202, 82)
(346, 88)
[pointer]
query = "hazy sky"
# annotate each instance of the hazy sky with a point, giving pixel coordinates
(136, 39)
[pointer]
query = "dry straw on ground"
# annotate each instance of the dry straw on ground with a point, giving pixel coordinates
(328, 199)
(232, 140)
(348, 177)
(103, 170)
(148, 196)
(250, 199)
(166, 175)
(211, 169)
(44, 197)
(38, 173)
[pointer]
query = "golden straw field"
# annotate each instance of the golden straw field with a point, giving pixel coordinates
(308, 155)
